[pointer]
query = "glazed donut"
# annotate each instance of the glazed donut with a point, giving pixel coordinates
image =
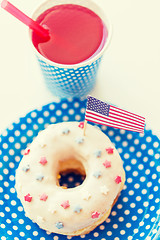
(64, 147)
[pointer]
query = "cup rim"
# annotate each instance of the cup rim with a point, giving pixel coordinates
(86, 62)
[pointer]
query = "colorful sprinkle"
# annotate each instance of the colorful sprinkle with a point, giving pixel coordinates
(43, 160)
(97, 174)
(59, 225)
(39, 178)
(86, 195)
(77, 209)
(65, 204)
(95, 214)
(109, 150)
(52, 210)
(42, 145)
(104, 190)
(81, 125)
(98, 153)
(43, 197)
(118, 179)
(107, 164)
(79, 140)
(40, 219)
(66, 131)
(26, 151)
(28, 198)
(26, 168)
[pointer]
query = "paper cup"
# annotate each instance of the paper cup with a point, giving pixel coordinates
(73, 80)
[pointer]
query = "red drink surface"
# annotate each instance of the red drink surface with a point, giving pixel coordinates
(76, 33)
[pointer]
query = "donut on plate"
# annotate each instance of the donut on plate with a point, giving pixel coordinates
(63, 147)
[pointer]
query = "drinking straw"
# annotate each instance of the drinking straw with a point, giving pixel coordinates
(42, 32)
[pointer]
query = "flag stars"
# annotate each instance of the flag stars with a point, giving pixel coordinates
(81, 125)
(79, 140)
(28, 198)
(97, 174)
(40, 178)
(26, 168)
(65, 204)
(43, 197)
(109, 150)
(27, 151)
(118, 179)
(95, 214)
(104, 190)
(77, 209)
(66, 131)
(98, 153)
(86, 195)
(107, 164)
(59, 225)
(43, 160)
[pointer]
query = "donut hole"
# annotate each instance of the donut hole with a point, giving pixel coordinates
(71, 173)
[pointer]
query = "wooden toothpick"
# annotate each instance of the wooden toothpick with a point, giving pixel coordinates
(85, 124)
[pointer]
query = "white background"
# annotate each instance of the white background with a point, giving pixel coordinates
(129, 75)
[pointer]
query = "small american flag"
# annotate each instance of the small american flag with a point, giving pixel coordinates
(100, 112)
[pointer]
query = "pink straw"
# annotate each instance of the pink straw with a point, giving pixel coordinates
(42, 32)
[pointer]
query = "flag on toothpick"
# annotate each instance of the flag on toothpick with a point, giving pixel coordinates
(103, 113)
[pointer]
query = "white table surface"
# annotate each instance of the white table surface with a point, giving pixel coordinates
(129, 75)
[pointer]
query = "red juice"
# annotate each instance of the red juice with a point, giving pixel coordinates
(76, 34)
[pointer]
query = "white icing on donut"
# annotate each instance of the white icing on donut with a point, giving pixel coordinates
(63, 146)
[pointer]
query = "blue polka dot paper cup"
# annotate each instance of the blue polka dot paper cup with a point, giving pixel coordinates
(75, 80)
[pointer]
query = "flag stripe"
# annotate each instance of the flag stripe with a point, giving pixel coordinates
(103, 113)
(108, 121)
(115, 112)
(129, 113)
(115, 126)
(113, 120)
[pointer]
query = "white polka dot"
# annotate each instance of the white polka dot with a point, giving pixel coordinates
(156, 188)
(9, 232)
(142, 179)
(145, 204)
(147, 227)
(35, 233)
(135, 173)
(126, 155)
(119, 206)
(132, 149)
(28, 227)
(135, 230)
(2, 215)
(139, 154)
(121, 219)
(7, 209)
(22, 234)
(101, 227)
(95, 234)
(128, 168)
(129, 180)
(141, 223)
(142, 234)
(21, 221)
(126, 212)
(109, 233)
(15, 227)
(149, 184)
(133, 161)
(55, 237)
(14, 215)
(128, 225)
(29, 133)
(132, 205)
(144, 191)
